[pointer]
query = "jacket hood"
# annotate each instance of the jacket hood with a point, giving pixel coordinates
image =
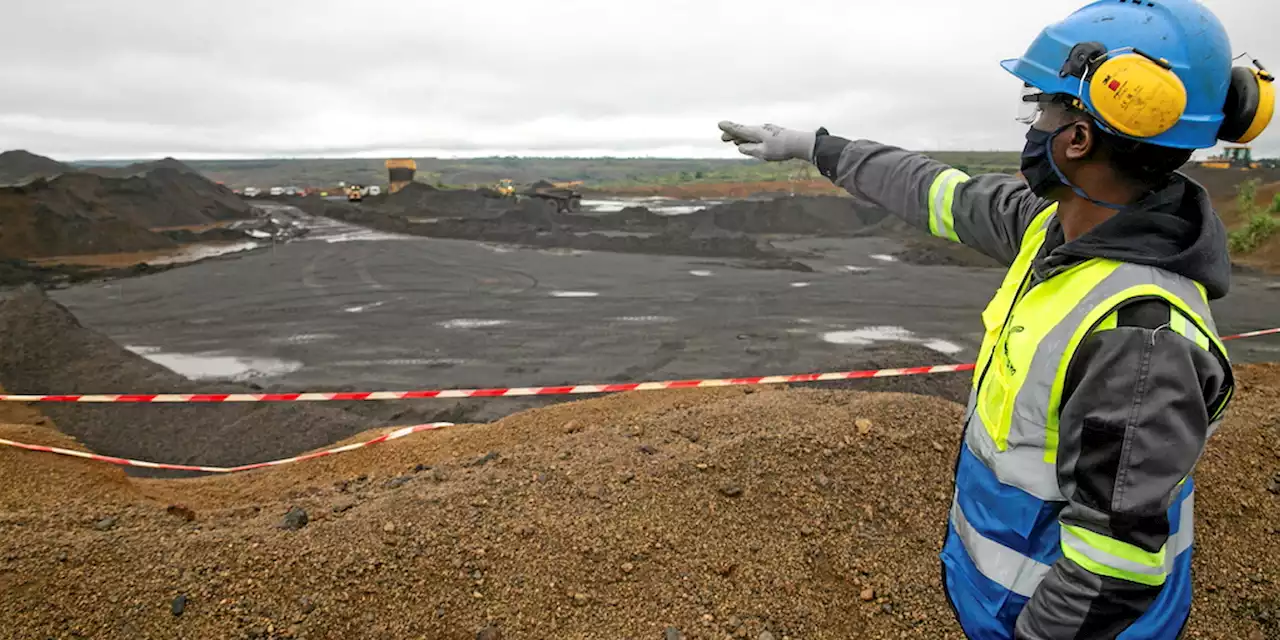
(1174, 228)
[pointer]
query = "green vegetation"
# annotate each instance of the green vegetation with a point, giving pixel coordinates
(1260, 223)
(593, 172)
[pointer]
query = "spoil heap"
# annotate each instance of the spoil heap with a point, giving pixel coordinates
(77, 213)
(808, 513)
(805, 513)
(47, 348)
(20, 166)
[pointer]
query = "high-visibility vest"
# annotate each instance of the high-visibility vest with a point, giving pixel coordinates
(1004, 535)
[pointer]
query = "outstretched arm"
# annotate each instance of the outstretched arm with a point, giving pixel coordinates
(989, 213)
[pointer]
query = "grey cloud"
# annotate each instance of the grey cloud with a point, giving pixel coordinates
(238, 78)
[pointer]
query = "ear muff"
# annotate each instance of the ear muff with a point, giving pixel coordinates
(1251, 103)
(1137, 95)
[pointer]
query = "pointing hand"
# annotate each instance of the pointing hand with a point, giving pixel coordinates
(769, 142)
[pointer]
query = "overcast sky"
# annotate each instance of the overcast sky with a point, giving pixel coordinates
(221, 78)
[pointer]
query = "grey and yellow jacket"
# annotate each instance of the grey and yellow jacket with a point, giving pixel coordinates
(1137, 397)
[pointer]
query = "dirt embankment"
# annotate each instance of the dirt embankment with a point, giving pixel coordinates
(75, 213)
(19, 166)
(741, 229)
(700, 514)
(727, 190)
(46, 348)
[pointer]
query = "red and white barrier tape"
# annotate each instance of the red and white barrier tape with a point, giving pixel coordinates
(500, 392)
(1252, 334)
(454, 393)
(506, 392)
(125, 462)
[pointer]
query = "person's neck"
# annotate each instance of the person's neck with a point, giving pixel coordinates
(1079, 216)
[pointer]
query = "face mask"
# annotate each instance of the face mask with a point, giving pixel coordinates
(1037, 162)
(1043, 174)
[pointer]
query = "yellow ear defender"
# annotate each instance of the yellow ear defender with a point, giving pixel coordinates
(1137, 95)
(1251, 102)
(1130, 91)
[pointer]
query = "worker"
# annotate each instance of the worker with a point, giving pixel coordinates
(1101, 375)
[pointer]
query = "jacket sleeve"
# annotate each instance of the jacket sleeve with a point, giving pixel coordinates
(989, 212)
(1132, 428)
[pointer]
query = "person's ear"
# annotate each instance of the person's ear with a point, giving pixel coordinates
(1082, 139)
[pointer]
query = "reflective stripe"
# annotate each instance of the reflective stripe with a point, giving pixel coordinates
(1186, 329)
(1002, 565)
(1110, 322)
(1019, 466)
(1007, 514)
(941, 197)
(1184, 536)
(1022, 575)
(1034, 419)
(1108, 557)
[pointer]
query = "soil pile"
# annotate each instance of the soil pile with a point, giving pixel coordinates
(165, 193)
(19, 166)
(789, 215)
(423, 200)
(14, 272)
(47, 350)
(85, 213)
(41, 219)
(717, 513)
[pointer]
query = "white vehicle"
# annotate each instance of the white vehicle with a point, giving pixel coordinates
(291, 191)
(252, 192)
(277, 191)
(374, 190)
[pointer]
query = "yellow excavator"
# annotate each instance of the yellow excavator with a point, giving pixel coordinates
(506, 187)
(400, 172)
(1232, 158)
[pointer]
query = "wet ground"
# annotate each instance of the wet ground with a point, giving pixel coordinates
(352, 308)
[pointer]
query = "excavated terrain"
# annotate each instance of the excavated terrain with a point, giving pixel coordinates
(715, 513)
(106, 210)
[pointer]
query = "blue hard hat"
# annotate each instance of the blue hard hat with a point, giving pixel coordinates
(1183, 32)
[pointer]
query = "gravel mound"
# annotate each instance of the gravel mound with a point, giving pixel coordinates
(86, 213)
(48, 351)
(421, 199)
(20, 166)
(697, 514)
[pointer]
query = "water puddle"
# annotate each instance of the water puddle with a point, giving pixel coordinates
(852, 269)
(364, 307)
(701, 273)
(943, 346)
(217, 366)
(645, 319)
(800, 285)
(192, 254)
(472, 323)
(305, 338)
(870, 335)
(431, 363)
(882, 257)
(574, 294)
(656, 204)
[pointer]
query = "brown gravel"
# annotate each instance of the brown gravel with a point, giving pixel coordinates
(598, 519)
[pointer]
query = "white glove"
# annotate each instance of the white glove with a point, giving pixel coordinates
(770, 142)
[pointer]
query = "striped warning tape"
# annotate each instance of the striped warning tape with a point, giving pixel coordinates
(458, 393)
(499, 392)
(505, 392)
(393, 435)
(1252, 334)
